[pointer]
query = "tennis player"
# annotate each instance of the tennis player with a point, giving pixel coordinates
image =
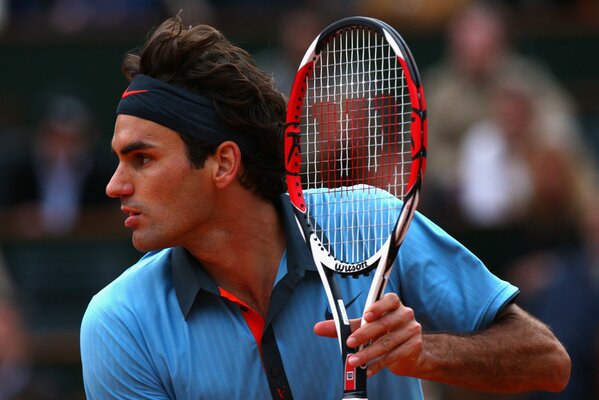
(227, 302)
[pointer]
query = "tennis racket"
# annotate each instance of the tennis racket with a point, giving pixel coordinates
(355, 143)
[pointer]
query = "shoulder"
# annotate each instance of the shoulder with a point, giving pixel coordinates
(448, 286)
(424, 233)
(118, 317)
(116, 351)
(129, 294)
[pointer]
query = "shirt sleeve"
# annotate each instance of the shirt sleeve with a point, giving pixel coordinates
(448, 287)
(114, 364)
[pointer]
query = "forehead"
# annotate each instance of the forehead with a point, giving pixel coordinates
(129, 129)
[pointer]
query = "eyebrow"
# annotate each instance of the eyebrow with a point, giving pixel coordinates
(135, 146)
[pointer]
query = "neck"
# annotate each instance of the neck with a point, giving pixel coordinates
(242, 250)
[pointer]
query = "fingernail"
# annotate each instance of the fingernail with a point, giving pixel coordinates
(354, 361)
(352, 342)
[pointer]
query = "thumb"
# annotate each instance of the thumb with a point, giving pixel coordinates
(325, 328)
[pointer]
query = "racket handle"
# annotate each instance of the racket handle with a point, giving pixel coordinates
(354, 385)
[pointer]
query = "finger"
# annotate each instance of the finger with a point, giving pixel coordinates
(327, 328)
(371, 331)
(379, 327)
(386, 304)
(386, 345)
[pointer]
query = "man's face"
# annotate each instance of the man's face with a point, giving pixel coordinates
(167, 201)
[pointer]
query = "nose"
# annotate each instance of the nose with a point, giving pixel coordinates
(118, 186)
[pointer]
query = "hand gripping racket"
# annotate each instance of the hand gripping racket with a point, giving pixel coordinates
(355, 143)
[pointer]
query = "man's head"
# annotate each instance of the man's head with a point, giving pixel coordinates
(198, 128)
(202, 61)
(477, 40)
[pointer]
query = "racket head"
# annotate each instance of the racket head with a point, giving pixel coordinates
(356, 139)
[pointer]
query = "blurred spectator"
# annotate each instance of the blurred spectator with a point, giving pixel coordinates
(459, 87)
(561, 287)
(515, 179)
(45, 190)
(508, 166)
(15, 368)
(525, 201)
(493, 171)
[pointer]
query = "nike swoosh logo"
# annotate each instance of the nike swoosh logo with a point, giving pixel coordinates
(327, 311)
(127, 93)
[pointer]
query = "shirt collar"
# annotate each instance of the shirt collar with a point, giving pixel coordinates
(189, 277)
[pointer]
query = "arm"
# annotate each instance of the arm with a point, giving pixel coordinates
(516, 353)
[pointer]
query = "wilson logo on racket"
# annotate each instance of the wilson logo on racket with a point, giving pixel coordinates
(350, 268)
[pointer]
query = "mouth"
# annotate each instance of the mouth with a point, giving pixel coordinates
(133, 217)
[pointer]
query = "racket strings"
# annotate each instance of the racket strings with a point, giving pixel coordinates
(356, 121)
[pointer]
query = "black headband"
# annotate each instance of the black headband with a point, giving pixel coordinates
(178, 109)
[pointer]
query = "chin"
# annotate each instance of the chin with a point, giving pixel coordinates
(144, 244)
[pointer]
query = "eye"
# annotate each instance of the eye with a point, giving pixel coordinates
(142, 159)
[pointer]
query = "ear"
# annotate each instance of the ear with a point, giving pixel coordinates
(228, 159)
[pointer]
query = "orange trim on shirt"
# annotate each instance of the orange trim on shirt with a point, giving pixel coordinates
(252, 318)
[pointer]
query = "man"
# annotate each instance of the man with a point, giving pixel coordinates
(53, 188)
(478, 55)
(223, 304)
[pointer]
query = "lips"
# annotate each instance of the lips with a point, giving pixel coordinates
(133, 217)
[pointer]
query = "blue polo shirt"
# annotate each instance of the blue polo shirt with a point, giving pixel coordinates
(165, 330)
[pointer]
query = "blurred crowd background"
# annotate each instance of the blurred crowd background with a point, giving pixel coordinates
(511, 88)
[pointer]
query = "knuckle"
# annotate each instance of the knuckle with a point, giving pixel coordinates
(386, 343)
(393, 299)
(387, 322)
(409, 313)
(416, 329)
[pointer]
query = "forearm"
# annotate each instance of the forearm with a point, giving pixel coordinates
(517, 353)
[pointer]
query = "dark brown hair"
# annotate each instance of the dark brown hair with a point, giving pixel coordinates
(203, 61)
